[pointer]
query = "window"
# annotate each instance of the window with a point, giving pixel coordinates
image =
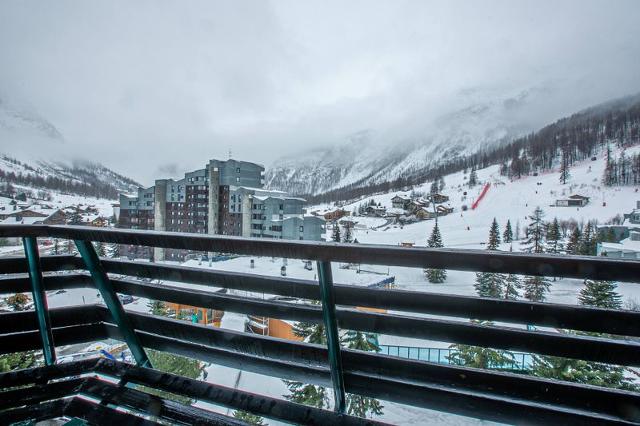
(237, 169)
(301, 228)
(237, 179)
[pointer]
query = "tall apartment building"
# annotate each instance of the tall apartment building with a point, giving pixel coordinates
(225, 197)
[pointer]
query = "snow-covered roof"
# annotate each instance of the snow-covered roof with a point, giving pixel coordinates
(16, 220)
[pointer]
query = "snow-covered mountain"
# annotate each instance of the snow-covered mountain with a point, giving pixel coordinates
(28, 143)
(373, 156)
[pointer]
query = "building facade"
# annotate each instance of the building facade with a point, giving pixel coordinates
(226, 198)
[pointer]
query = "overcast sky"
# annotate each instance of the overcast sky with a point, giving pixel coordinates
(154, 88)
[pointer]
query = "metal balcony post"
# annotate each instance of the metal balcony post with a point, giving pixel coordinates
(40, 299)
(99, 275)
(331, 328)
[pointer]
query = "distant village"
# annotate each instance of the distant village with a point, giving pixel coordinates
(18, 209)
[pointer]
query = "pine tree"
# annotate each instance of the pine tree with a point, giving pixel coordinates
(564, 166)
(335, 236)
(308, 394)
(56, 246)
(157, 307)
(473, 178)
(249, 418)
(536, 287)
(573, 246)
(600, 294)
(433, 189)
(494, 236)
(588, 241)
(553, 236)
(507, 236)
(348, 238)
(441, 184)
(535, 232)
(512, 286)
(100, 249)
(358, 405)
(489, 284)
(435, 241)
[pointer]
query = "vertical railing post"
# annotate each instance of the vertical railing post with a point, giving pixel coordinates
(39, 299)
(331, 328)
(101, 279)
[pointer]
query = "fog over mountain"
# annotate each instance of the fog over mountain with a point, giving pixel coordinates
(152, 89)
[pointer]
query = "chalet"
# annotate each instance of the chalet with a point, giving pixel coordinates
(335, 214)
(443, 211)
(415, 205)
(400, 202)
(573, 201)
(438, 198)
(424, 213)
(376, 211)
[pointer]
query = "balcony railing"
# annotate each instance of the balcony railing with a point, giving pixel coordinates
(54, 390)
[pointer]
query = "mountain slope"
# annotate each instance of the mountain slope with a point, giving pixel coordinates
(369, 157)
(32, 138)
(479, 135)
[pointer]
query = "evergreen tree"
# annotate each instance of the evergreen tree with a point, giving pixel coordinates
(489, 284)
(512, 286)
(535, 232)
(441, 184)
(588, 241)
(435, 241)
(507, 236)
(600, 294)
(348, 238)
(494, 236)
(308, 394)
(433, 189)
(573, 246)
(56, 246)
(536, 287)
(17, 361)
(249, 418)
(358, 405)
(113, 250)
(335, 236)
(75, 218)
(564, 166)
(480, 357)
(473, 178)
(100, 248)
(553, 236)
(157, 307)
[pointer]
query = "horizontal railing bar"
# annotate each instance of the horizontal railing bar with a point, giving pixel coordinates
(599, 268)
(95, 413)
(30, 340)
(20, 321)
(145, 404)
(21, 284)
(422, 395)
(18, 264)
(462, 403)
(589, 348)
(42, 374)
(227, 358)
(581, 318)
(234, 398)
(39, 393)
(36, 412)
(302, 289)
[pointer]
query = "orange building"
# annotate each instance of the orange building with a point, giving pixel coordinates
(204, 315)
